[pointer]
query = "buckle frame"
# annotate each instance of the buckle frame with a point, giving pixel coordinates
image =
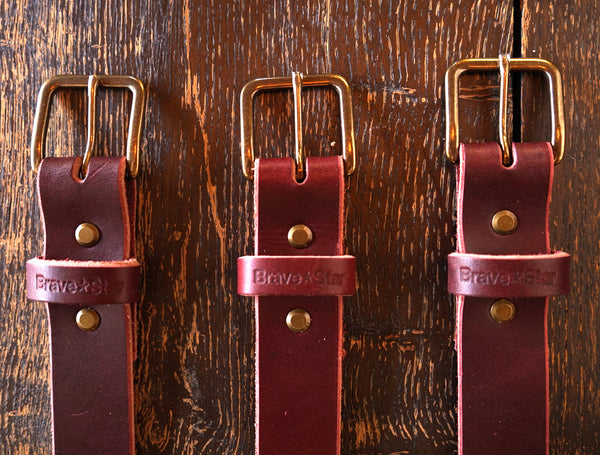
(504, 64)
(40, 124)
(295, 82)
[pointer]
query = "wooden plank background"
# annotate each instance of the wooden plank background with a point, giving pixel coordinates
(194, 373)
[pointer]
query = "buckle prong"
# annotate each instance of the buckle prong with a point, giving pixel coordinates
(40, 124)
(297, 81)
(297, 88)
(505, 65)
(91, 130)
(505, 143)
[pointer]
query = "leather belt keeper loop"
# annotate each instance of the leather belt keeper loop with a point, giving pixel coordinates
(72, 282)
(484, 275)
(296, 275)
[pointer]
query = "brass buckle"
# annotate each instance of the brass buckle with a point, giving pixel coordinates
(296, 82)
(505, 65)
(40, 124)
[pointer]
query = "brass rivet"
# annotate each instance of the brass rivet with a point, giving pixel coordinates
(87, 234)
(87, 319)
(300, 236)
(298, 320)
(504, 222)
(503, 310)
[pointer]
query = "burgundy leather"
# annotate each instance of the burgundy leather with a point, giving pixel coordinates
(486, 275)
(298, 375)
(502, 368)
(96, 282)
(296, 275)
(92, 372)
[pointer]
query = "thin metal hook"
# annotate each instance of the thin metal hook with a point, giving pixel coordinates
(93, 82)
(299, 153)
(505, 143)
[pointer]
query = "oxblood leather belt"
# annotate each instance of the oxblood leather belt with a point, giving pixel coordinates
(90, 281)
(298, 303)
(503, 368)
(502, 275)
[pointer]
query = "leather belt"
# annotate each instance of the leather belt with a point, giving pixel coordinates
(92, 371)
(503, 278)
(298, 373)
(89, 279)
(298, 275)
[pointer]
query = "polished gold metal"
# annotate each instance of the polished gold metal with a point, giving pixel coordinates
(504, 222)
(503, 311)
(516, 64)
(272, 83)
(300, 236)
(87, 234)
(91, 139)
(87, 319)
(299, 155)
(298, 320)
(505, 143)
(40, 124)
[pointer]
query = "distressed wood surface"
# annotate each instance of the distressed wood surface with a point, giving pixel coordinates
(194, 373)
(566, 33)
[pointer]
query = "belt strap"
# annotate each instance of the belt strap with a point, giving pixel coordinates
(298, 374)
(503, 367)
(92, 371)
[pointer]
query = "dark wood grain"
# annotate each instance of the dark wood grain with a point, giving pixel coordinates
(566, 33)
(194, 373)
